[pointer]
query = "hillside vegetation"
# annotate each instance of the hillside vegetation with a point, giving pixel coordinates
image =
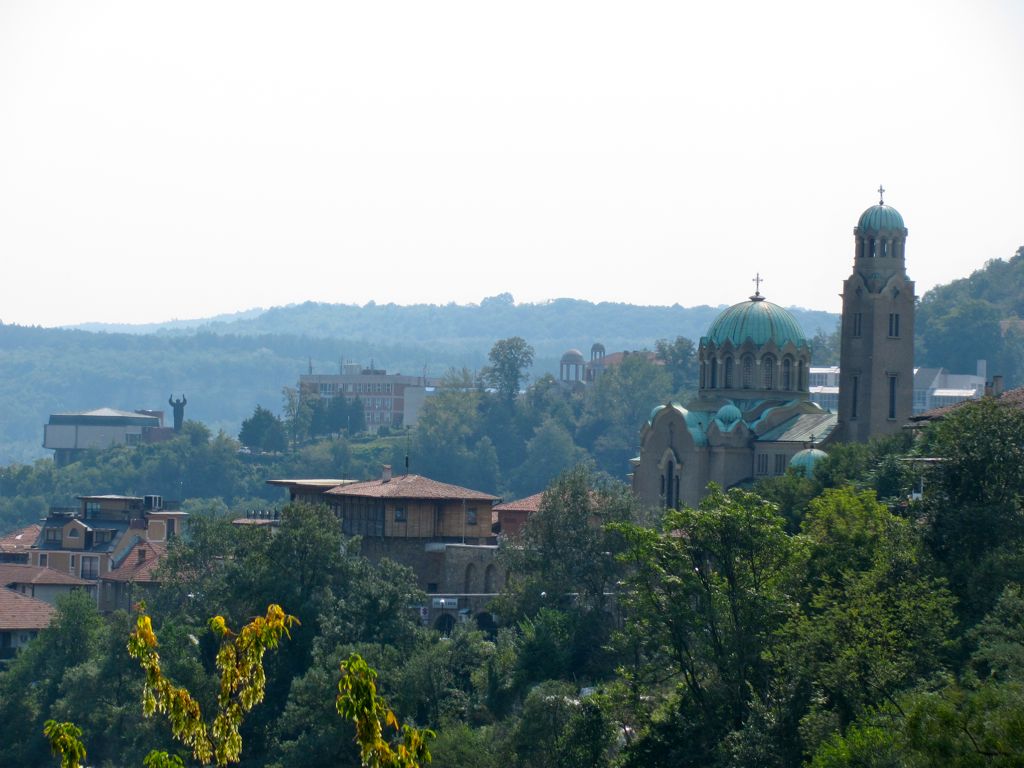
(227, 368)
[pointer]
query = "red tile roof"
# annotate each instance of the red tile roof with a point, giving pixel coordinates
(20, 540)
(135, 570)
(23, 612)
(528, 504)
(410, 487)
(14, 573)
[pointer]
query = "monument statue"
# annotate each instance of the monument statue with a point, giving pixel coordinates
(179, 410)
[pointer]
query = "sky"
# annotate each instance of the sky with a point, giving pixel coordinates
(177, 160)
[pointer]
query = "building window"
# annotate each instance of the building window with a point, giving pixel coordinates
(894, 325)
(90, 568)
(854, 396)
(857, 319)
(728, 373)
(787, 374)
(800, 376)
(53, 534)
(42, 561)
(73, 533)
(714, 373)
(400, 515)
(748, 372)
(780, 463)
(892, 397)
(768, 372)
(471, 516)
(762, 464)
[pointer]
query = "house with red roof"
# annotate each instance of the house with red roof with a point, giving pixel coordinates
(21, 618)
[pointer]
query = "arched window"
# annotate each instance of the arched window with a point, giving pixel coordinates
(787, 374)
(748, 372)
(470, 585)
(491, 579)
(728, 373)
(714, 373)
(768, 372)
(800, 376)
(703, 374)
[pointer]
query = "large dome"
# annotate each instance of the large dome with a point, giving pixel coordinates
(880, 217)
(757, 320)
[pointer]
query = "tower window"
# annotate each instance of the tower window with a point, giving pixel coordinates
(800, 376)
(728, 372)
(854, 396)
(892, 397)
(894, 325)
(857, 318)
(787, 374)
(762, 464)
(714, 373)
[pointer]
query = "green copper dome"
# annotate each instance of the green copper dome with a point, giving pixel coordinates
(757, 320)
(879, 217)
(804, 461)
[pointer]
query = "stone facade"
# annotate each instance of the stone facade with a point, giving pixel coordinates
(876, 384)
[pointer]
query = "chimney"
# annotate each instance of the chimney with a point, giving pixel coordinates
(385, 475)
(997, 385)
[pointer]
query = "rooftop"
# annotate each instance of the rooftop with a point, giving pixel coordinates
(136, 569)
(410, 487)
(20, 540)
(23, 612)
(528, 504)
(15, 573)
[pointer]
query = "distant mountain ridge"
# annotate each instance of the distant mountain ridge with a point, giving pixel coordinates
(551, 327)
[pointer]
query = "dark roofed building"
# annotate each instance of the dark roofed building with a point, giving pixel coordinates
(511, 517)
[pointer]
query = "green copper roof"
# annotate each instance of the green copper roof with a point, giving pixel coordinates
(757, 320)
(806, 459)
(879, 217)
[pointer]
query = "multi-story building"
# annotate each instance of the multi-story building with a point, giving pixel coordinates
(96, 538)
(71, 435)
(389, 399)
(443, 532)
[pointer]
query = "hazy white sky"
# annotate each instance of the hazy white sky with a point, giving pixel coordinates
(174, 160)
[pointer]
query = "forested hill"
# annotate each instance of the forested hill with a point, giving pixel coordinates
(550, 327)
(976, 317)
(228, 366)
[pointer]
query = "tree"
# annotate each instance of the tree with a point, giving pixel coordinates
(510, 359)
(972, 507)
(706, 594)
(680, 360)
(549, 452)
(616, 407)
(263, 431)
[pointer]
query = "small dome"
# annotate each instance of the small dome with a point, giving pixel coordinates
(728, 415)
(654, 412)
(573, 356)
(804, 461)
(757, 320)
(880, 217)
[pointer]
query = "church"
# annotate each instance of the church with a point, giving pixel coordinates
(753, 415)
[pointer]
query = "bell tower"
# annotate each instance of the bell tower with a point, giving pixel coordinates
(876, 359)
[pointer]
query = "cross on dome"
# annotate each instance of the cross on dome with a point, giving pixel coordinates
(881, 192)
(757, 288)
